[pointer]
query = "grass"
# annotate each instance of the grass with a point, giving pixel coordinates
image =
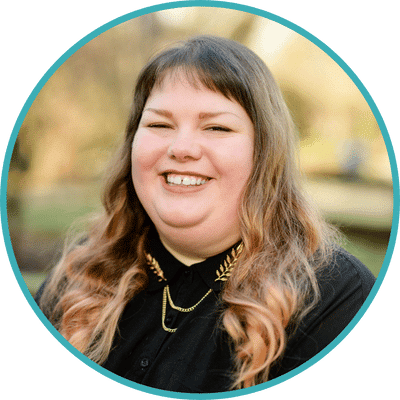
(55, 211)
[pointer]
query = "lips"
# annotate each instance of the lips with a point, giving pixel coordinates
(184, 179)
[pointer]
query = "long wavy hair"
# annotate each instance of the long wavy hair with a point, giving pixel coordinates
(273, 285)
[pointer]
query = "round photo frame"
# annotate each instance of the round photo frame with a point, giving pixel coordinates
(261, 13)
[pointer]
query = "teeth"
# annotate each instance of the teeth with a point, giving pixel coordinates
(185, 180)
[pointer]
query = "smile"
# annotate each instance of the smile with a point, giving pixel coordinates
(185, 180)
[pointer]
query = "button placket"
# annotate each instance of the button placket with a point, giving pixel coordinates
(170, 317)
(188, 276)
(144, 363)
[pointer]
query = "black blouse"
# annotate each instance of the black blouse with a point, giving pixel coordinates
(197, 358)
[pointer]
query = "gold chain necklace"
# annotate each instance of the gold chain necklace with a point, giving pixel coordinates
(224, 271)
(167, 294)
(171, 303)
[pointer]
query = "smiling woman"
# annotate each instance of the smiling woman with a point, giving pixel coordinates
(191, 158)
(208, 270)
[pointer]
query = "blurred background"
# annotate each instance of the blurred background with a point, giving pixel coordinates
(78, 119)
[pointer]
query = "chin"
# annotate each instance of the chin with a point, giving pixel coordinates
(181, 216)
(176, 221)
(196, 232)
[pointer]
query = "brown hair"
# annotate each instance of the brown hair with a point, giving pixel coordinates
(285, 241)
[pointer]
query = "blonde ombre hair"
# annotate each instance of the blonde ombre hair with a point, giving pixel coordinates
(274, 283)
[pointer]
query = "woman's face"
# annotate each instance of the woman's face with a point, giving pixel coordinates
(191, 158)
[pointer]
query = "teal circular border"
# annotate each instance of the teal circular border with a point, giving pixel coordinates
(185, 4)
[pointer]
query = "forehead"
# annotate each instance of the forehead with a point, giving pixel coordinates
(189, 77)
(178, 86)
(180, 97)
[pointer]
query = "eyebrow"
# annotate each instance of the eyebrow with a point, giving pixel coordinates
(164, 113)
(203, 115)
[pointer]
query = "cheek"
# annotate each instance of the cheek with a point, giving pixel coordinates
(146, 150)
(238, 163)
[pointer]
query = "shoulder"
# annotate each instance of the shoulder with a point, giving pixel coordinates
(344, 284)
(344, 275)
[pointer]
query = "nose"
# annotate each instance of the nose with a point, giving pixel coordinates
(185, 147)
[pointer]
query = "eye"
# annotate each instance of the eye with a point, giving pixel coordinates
(219, 128)
(158, 125)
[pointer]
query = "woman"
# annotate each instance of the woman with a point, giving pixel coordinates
(208, 270)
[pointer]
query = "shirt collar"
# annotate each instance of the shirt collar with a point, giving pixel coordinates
(214, 270)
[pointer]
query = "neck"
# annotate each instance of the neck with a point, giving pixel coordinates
(184, 259)
(188, 250)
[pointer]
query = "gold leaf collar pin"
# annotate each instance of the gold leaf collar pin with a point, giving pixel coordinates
(225, 269)
(155, 267)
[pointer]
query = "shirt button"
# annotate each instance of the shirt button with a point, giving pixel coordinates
(168, 320)
(187, 272)
(144, 362)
